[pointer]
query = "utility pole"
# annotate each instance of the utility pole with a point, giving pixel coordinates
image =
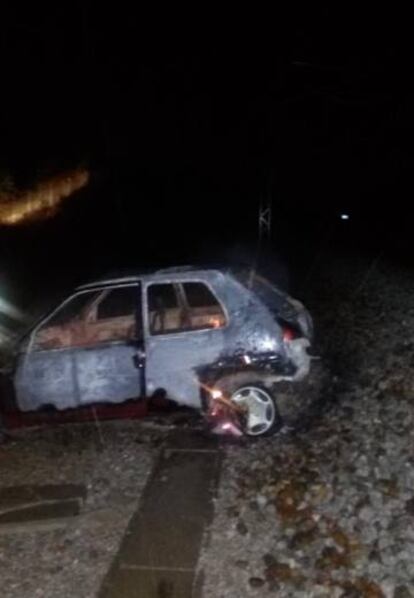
(264, 230)
(265, 217)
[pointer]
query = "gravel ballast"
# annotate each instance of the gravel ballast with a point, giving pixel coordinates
(113, 462)
(329, 510)
(324, 510)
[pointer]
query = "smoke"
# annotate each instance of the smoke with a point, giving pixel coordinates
(266, 262)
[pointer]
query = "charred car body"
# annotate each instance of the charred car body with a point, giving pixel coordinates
(210, 339)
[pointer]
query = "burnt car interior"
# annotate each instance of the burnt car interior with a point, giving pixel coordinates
(183, 307)
(92, 317)
(114, 314)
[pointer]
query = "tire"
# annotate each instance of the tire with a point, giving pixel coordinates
(259, 402)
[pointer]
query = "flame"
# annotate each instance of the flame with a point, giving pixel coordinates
(215, 322)
(43, 201)
(217, 396)
(221, 413)
(231, 428)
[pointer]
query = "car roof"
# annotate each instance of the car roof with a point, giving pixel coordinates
(180, 272)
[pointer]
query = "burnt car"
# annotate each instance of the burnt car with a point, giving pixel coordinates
(212, 339)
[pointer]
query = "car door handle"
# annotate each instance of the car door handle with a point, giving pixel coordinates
(138, 359)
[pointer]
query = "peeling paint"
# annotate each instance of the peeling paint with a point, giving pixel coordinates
(87, 360)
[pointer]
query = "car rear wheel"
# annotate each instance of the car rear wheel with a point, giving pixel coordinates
(255, 405)
(260, 415)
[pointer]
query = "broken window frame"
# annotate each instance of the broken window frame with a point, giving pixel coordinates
(112, 291)
(188, 307)
(182, 303)
(30, 345)
(88, 314)
(91, 316)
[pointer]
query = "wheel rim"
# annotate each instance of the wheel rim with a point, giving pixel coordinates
(259, 407)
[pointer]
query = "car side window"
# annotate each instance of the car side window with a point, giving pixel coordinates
(59, 330)
(71, 310)
(198, 310)
(203, 308)
(164, 310)
(118, 316)
(118, 303)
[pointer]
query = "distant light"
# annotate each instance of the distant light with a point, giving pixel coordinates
(344, 216)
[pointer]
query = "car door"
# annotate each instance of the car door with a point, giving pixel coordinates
(110, 368)
(45, 371)
(184, 325)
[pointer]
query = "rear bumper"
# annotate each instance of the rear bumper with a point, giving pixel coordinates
(297, 352)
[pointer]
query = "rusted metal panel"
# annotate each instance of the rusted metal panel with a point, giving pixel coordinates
(173, 360)
(107, 373)
(77, 376)
(45, 378)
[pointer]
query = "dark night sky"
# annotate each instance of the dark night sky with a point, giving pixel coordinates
(183, 137)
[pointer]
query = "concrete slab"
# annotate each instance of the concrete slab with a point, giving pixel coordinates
(67, 508)
(30, 508)
(159, 553)
(150, 583)
(16, 496)
(168, 527)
